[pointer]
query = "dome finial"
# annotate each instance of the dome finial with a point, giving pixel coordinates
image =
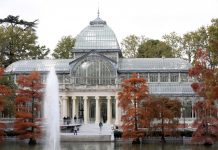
(98, 10)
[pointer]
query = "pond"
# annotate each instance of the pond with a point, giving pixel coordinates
(105, 146)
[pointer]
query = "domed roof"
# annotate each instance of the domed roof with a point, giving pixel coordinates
(96, 36)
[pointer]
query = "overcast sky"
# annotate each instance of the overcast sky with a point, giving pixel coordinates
(151, 18)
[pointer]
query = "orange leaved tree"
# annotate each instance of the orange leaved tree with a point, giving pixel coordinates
(164, 111)
(134, 93)
(206, 86)
(28, 101)
(5, 91)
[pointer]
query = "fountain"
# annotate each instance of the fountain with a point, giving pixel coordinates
(51, 112)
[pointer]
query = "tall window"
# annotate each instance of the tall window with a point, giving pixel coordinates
(184, 77)
(95, 71)
(153, 77)
(164, 77)
(174, 77)
(144, 75)
(188, 109)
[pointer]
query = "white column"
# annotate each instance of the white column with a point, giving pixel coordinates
(109, 111)
(97, 110)
(77, 108)
(118, 112)
(74, 106)
(64, 102)
(192, 102)
(61, 107)
(85, 109)
(88, 107)
(180, 77)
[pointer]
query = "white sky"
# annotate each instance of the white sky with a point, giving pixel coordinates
(151, 18)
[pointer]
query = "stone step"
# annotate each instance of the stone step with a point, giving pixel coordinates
(90, 132)
(94, 129)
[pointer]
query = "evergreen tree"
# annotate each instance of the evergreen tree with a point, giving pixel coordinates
(18, 41)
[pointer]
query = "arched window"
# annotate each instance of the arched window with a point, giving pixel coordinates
(94, 70)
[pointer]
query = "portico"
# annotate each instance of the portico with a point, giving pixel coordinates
(90, 109)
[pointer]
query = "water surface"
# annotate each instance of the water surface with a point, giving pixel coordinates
(105, 146)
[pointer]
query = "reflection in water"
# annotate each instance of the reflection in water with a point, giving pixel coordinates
(105, 146)
(87, 146)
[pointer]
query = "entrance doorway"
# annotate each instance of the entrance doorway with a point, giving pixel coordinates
(104, 112)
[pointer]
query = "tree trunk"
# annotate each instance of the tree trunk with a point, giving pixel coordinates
(32, 141)
(136, 141)
(163, 139)
(136, 128)
(162, 128)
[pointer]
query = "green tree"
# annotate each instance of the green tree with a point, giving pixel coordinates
(174, 41)
(194, 40)
(64, 48)
(154, 49)
(130, 45)
(18, 41)
(213, 42)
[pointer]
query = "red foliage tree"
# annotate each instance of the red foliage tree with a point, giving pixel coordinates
(4, 92)
(134, 93)
(28, 101)
(206, 86)
(165, 110)
(206, 123)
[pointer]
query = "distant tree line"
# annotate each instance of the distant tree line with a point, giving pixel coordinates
(18, 41)
(172, 45)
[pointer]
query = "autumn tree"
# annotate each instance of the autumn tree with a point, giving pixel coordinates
(206, 87)
(134, 92)
(165, 110)
(18, 41)
(28, 101)
(5, 91)
(9, 105)
(206, 123)
(64, 48)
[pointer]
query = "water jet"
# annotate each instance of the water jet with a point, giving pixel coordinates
(52, 112)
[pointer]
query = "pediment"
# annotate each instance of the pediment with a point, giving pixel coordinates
(91, 55)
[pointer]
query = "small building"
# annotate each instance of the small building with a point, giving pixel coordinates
(90, 81)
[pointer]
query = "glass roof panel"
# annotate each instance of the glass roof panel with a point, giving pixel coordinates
(39, 65)
(177, 88)
(151, 64)
(125, 64)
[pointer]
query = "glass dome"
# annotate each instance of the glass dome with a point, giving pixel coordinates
(96, 36)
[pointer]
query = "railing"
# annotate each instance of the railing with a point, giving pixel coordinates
(7, 120)
(68, 87)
